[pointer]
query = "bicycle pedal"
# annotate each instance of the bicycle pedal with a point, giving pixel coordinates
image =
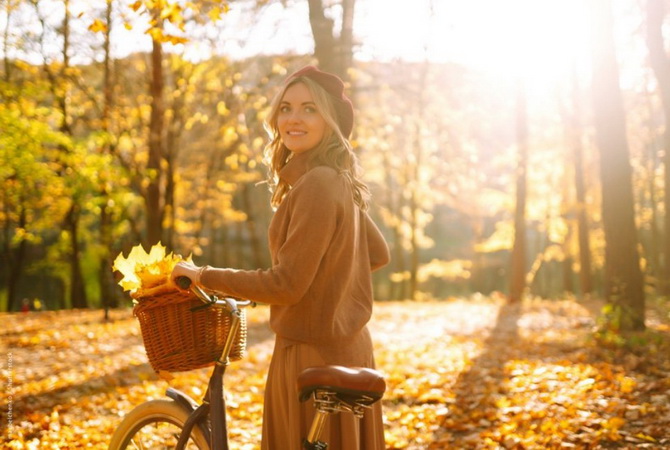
(318, 445)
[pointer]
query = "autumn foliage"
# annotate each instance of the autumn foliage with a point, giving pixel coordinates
(461, 373)
(144, 271)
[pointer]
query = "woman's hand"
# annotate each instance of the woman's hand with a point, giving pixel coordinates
(186, 269)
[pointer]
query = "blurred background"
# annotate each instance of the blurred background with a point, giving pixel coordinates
(516, 146)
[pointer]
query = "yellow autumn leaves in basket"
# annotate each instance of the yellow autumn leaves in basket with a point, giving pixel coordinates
(144, 273)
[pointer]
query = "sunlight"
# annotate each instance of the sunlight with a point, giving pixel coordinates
(539, 41)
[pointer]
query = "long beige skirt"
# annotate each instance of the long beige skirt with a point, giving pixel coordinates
(286, 420)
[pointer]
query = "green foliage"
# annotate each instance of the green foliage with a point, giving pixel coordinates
(33, 174)
(608, 331)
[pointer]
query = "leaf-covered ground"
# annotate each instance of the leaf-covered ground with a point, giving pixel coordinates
(473, 373)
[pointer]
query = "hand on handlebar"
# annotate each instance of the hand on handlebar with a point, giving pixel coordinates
(188, 270)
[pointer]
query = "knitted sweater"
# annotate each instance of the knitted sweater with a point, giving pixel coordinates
(323, 250)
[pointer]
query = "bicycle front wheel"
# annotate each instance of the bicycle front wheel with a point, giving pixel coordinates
(156, 424)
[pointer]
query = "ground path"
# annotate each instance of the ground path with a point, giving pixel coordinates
(461, 373)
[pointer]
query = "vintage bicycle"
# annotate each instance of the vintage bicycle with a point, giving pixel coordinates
(180, 422)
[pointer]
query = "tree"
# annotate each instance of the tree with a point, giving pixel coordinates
(160, 184)
(335, 54)
(585, 277)
(623, 277)
(518, 262)
(660, 64)
(572, 121)
(58, 75)
(34, 195)
(108, 288)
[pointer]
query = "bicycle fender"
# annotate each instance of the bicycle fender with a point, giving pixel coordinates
(182, 399)
(189, 405)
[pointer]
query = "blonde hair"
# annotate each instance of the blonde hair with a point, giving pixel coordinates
(334, 150)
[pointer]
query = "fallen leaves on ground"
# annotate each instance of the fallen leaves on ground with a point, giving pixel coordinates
(461, 373)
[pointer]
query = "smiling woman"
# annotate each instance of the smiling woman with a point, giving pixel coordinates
(300, 124)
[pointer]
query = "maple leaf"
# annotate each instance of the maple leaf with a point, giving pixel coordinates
(142, 270)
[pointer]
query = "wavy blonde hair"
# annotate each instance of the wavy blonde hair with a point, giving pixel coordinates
(334, 150)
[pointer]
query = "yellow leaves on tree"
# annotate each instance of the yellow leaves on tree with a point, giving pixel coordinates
(143, 271)
(98, 26)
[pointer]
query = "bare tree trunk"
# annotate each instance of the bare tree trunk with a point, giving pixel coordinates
(347, 37)
(77, 286)
(413, 174)
(583, 236)
(154, 207)
(16, 261)
(60, 92)
(660, 63)
(252, 229)
(623, 277)
(394, 204)
(566, 245)
(71, 222)
(413, 169)
(174, 129)
(518, 263)
(9, 7)
(105, 278)
(335, 54)
(324, 43)
(652, 163)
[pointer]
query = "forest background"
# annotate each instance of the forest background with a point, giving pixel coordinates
(520, 148)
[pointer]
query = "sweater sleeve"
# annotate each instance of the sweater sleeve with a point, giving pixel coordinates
(377, 247)
(315, 204)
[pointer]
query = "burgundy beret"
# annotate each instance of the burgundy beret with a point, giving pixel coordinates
(335, 87)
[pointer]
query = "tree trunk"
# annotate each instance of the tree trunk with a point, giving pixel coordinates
(334, 54)
(394, 202)
(252, 229)
(583, 236)
(77, 287)
(413, 205)
(154, 207)
(172, 149)
(78, 296)
(623, 277)
(652, 163)
(518, 263)
(7, 62)
(566, 245)
(347, 37)
(16, 264)
(105, 279)
(660, 63)
(325, 47)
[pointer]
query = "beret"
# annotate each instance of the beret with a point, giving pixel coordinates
(335, 87)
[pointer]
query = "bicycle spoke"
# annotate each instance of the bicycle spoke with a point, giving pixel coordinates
(158, 435)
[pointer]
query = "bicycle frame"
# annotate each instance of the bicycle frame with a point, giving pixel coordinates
(214, 403)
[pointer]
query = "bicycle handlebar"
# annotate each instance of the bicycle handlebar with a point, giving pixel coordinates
(183, 282)
(229, 303)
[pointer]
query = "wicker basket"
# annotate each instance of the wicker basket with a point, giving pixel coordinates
(177, 339)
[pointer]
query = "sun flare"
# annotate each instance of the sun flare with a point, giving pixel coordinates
(539, 41)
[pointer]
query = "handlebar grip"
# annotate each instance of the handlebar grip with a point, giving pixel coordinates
(183, 282)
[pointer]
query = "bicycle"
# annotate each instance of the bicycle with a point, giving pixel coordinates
(180, 422)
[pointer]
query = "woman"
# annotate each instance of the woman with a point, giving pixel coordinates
(324, 247)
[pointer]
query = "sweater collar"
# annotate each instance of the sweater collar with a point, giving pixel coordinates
(295, 168)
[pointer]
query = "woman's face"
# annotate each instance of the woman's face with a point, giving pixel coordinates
(301, 126)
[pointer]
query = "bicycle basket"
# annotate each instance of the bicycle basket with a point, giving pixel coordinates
(177, 339)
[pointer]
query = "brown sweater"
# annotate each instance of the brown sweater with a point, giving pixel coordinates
(323, 249)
